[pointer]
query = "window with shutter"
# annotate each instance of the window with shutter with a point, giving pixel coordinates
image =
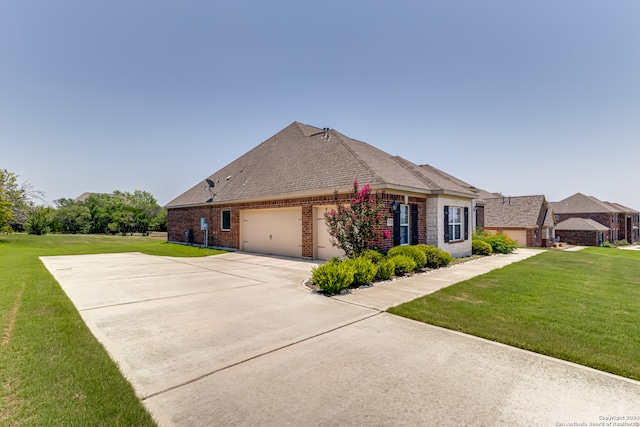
(453, 224)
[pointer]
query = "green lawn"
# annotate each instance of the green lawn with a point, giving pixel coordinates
(578, 306)
(52, 370)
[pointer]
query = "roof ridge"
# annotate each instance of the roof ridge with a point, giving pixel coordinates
(342, 138)
(414, 169)
(447, 176)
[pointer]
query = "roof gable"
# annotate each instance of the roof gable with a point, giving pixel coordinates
(302, 159)
(580, 203)
(520, 211)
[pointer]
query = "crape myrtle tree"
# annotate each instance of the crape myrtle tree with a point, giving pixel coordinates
(353, 227)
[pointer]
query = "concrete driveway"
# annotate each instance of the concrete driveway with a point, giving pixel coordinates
(236, 339)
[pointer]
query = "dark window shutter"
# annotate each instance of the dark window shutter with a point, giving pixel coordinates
(414, 224)
(396, 227)
(466, 223)
(446, 224)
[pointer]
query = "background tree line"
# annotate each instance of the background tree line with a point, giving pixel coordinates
(117, 213)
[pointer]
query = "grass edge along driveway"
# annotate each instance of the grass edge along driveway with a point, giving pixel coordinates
(52, 369)
(583, 307)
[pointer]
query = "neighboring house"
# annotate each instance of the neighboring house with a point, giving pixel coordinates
(581, 231)
(621, 222)
(526, 219)
(273, 199)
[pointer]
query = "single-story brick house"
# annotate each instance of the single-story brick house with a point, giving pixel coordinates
(582, 231)
(622, 222)
(272, 199)
(526, 219)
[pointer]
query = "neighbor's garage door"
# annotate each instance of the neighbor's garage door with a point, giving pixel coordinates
(272, 231)
(519, 236)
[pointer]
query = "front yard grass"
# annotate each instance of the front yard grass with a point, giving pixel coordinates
(583, 307)
(52, 369)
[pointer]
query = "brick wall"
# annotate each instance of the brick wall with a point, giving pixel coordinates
(578, 237)
(601, 218)
(182, 219)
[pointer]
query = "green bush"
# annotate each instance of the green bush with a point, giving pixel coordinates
(414, 252)
(605, 245)
(622, 242)
(478, 247)
(386, 269)
(403, 264)
(501, 243)
(373, 255)
(333, 277)
(436, 257)
(364, 270)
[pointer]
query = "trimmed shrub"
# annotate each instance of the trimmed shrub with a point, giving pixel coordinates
(436, 257)
(373, 255)
(605, 245)
(333, 277)
(386, 269)
(622, 242)
(501, 243)
(478, 247)
(403, 264)
(414, 252)
(364, 270)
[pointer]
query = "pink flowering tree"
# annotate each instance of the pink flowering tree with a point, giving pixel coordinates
(353, 226)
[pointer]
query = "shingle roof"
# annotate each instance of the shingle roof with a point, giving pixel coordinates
(580, 224)
(580, 203)
(520, 211)
(302, 159)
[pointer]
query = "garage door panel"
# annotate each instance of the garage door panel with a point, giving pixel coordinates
(519, 236)
(322, 239)
(272, 231)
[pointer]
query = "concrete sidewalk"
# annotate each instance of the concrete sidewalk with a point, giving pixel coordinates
(391, 293)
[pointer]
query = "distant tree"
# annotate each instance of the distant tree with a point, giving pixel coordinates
(124, 212)
(159, 222)
(71, 217)
(100, 210)
(39, 220)
(18, 198)
(6, 216)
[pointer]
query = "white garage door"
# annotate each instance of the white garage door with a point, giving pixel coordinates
(321, 237)
(272, 231)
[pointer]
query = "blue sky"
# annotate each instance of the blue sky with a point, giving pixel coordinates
(515, 97)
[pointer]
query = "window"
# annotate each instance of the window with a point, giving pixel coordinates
(455, 224)
(404, 224)
(557, 217)
(226, 220)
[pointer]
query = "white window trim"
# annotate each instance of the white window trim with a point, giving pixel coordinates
(405, 225)
(452, 224)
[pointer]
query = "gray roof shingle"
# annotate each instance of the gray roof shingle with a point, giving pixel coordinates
(520, 211)
(580, 203)
(580, 224)
(302, 159)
